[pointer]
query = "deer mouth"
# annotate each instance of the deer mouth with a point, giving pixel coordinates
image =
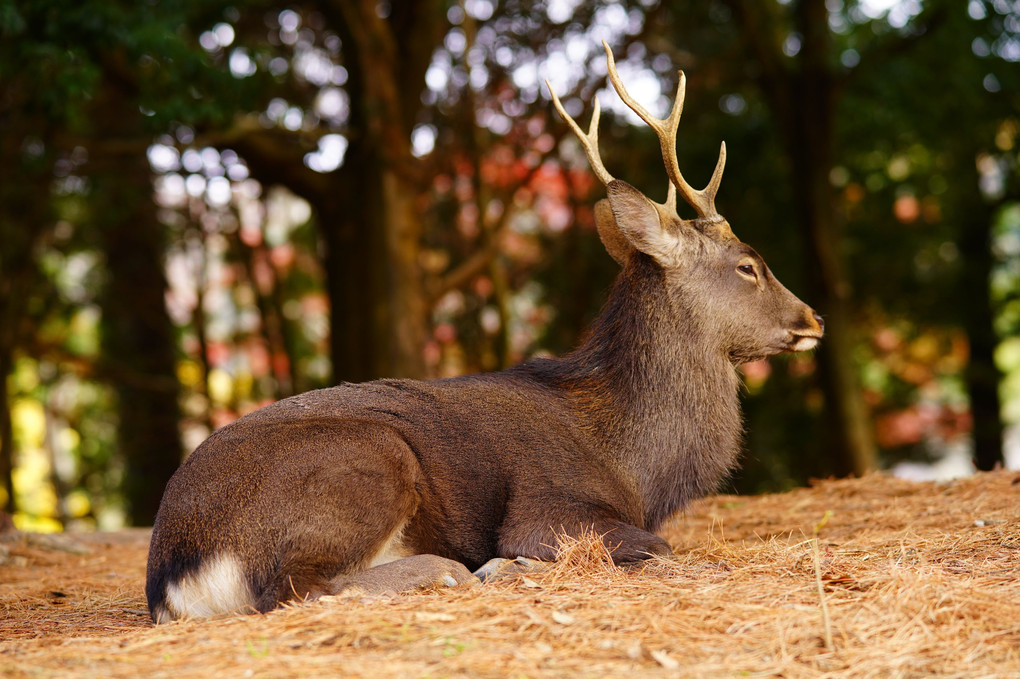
(792, 342)
(806, 334)
(803, 343)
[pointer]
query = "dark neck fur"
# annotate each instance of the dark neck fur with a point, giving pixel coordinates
(657, 391)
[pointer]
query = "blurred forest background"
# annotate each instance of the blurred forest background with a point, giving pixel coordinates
(208, 205)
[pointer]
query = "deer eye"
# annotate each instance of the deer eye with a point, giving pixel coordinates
(747, 270)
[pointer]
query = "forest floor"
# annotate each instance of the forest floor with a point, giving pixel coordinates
(906, 579)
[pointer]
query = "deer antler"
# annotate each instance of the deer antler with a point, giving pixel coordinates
(702, 201)
(590, 141)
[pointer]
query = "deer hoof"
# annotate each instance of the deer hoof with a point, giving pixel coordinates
(495, 569)
(491, 569)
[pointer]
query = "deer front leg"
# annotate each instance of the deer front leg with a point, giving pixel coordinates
(630, 544)
(625, 542)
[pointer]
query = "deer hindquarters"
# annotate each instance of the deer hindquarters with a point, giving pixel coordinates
(261, 516)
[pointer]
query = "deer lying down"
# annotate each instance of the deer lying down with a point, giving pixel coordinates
(400, 483)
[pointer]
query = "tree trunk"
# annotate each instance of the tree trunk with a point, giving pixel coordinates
(138, 337)
(387, 63)
(6, 433)
(802, 97)
(378, 307)
(355, 258)
(982, 375)
(26, 220)
(808, 143)
(408, 311)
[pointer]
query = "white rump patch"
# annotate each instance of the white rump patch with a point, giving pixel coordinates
(392, 550)
(218, 586)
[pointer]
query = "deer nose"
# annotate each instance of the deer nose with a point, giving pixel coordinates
(819, 320)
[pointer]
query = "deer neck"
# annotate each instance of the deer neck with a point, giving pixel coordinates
(659, 391)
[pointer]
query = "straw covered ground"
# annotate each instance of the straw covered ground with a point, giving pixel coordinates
(905, 579)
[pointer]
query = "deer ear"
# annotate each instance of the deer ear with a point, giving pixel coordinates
(617, 245)
(637, 219)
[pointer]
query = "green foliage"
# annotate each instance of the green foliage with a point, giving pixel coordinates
(55, 54)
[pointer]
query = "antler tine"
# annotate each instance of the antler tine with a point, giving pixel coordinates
(702, 201)
(590, 141)
(713, 183)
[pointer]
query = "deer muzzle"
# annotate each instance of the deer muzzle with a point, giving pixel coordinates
(808, 333)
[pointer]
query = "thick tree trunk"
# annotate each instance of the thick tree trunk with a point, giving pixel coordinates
(851, 442)
(379, 311)
(26, 220)
(138, 337)
(802, 97)
(387, 62)
(407, 315)
(355, 259)
(982, 374)
(6, 433)
(809, 142)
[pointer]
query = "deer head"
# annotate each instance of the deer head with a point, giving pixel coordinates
(713, 278)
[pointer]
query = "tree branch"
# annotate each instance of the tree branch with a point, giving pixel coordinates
(466, 271)
(274, 155)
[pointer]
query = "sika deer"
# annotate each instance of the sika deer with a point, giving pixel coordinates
(321, 491)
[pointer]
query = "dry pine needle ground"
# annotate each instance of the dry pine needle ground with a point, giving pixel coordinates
(904, 579)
